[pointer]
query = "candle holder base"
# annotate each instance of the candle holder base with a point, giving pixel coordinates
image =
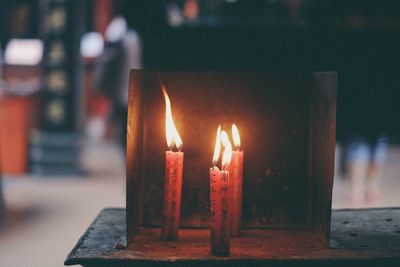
(359, 237)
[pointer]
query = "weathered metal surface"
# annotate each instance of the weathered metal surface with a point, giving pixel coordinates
(274, 114)
(376, 243)
(363, 229)
(134, 161)
(322, 141)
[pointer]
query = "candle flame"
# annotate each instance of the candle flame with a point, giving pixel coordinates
(217, 148)
(235, 136)
(227, 156)
(173, 138)
(224, 138)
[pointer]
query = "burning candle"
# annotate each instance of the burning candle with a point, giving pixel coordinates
(236, 183)
(173, 176)
(219, 197)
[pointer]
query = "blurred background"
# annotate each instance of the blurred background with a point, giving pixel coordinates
(63, 97)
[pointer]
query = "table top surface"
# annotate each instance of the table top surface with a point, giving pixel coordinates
(358, 237)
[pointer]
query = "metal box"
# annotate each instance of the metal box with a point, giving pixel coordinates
(287, 126)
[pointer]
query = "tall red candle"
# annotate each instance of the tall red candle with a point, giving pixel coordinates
(219, 200)
(236, 183)
(173, 176)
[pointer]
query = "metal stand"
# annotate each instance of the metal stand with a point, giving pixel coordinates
(369, 237)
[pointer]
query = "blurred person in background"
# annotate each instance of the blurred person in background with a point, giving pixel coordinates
(365, 159)
(122, 52)
(365, 109)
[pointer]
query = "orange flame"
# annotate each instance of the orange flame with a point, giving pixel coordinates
(224, 138)
(235, 136)
(173, 138)
(217, 148)
(226, 157)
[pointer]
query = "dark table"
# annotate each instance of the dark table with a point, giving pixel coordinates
(364, 237)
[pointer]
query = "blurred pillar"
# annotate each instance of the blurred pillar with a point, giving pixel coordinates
(15, 120)
(294, 7)
(103, 14)
(2, 205)
(96, 104)
(55, 148)
(191, 9)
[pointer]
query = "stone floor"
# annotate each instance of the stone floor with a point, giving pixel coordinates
(46, 216)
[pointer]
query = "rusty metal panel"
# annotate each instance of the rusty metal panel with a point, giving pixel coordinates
(134, 158)
(322, 151)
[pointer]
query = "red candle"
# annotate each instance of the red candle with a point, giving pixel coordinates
(236, 183)
(173, 176)
(219, 199)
